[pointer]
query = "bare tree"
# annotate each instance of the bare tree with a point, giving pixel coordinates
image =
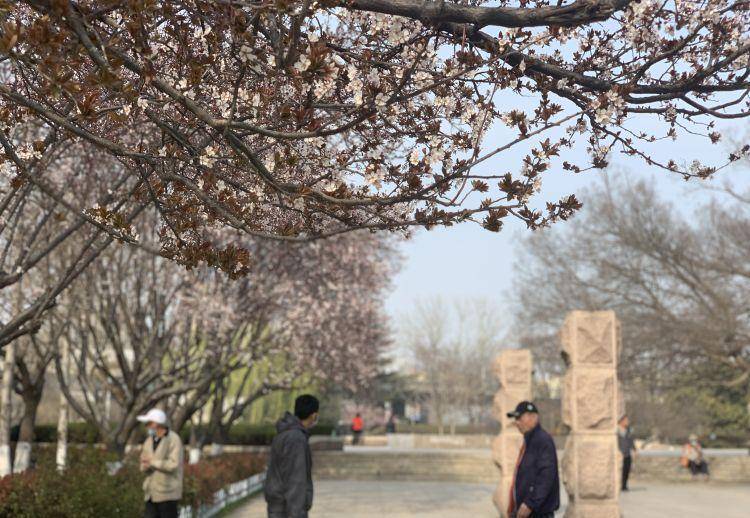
(125, 343)
(679, 285)
(453, 347)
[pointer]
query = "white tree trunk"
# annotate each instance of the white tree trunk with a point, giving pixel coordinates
(194, 455)
(22, 457)
(62, 420)
(216, 449)
(107, 405)
(6, 466)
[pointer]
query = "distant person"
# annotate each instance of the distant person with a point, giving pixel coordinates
(289, 488)
(390, 426)
(692, 458)
(535, 490)
(357, 426)
(627, 449)
(161, 460)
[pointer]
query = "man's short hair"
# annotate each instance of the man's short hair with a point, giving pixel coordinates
(305, 406)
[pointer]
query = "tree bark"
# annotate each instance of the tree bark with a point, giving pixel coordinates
(31, 399)
(194, 452)
(62, 420)
(6, 389)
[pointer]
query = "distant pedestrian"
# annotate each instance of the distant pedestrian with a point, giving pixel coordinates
(390, 426)
(692, 458)
(358, 425)
(627, 449)
(161, 460)
(289, 488)
(535, 490)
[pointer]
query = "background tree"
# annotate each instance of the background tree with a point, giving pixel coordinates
(678, 280)
(37, 218)
(142, 332)
(452, 348)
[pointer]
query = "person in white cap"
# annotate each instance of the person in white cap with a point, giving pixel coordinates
(161, 460)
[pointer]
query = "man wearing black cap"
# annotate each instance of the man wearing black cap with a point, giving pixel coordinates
(535, 491)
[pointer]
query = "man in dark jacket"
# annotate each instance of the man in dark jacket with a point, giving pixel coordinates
(289, 488)
(627, 449)
(535, 491)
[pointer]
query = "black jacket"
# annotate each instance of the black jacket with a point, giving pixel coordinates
(625, 442)
(537, 480)
(289, 478)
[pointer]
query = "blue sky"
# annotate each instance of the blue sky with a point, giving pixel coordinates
(467, 261)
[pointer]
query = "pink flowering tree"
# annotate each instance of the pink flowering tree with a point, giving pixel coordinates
(142, 331)
(318, 309)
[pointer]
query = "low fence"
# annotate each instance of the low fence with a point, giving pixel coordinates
(466, 465)
(725, 465)
(226, 496)
(437, 441)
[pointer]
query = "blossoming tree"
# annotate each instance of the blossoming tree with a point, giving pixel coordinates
(141, 331)
(298, 120)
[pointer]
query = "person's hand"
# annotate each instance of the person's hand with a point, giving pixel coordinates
(145, 463)
(524, 511)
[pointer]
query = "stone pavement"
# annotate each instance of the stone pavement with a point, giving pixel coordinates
(385, 499)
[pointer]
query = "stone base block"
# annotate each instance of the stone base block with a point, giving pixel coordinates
(597, 475)
(593, 510)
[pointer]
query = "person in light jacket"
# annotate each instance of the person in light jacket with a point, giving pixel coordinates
(289, 487)
(161, 461)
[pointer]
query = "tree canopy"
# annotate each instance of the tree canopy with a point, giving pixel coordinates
(300, 120)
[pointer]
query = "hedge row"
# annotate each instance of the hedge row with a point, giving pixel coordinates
(255, 434)
(423, 428)
(86, 490)
(239, 434)
(82, 433)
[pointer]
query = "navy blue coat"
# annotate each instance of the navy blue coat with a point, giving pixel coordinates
(537, 479)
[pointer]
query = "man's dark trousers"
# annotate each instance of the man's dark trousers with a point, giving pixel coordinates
(161, 509)
(627, 462)
(280, 512)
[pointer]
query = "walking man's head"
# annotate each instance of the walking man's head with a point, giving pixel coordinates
(624, 421)
(306, 409)
(155, 421)
(526, 416)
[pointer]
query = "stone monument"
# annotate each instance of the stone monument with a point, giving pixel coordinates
(590, 402)
(513, 371)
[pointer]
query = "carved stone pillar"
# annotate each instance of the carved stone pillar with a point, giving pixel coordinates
(591, 348)
(513, 370)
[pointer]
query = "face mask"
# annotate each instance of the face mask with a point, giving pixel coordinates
(151, 432)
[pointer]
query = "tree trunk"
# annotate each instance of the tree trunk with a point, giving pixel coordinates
(194, 452)
(6, 389)
(219, 439)
(217, 411)
(62, 420)
(31, 399)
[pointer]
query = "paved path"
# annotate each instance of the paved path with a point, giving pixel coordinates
(449, 500)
